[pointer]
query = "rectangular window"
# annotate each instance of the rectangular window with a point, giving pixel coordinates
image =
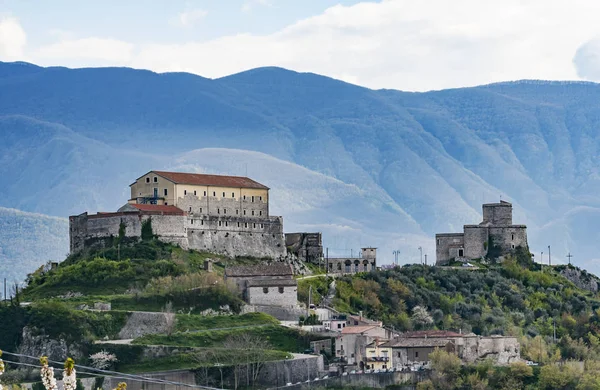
(155, 179)
(224, 211)
(192, 221)
(218, 211)
(147, 180)
(260, 212)
(416, 354)
(237, 211)
(226, 224)
(219, 223)
(200, 209)
(254, 226)
(246, 224)
(194, 192)
(261, 226)
(513, 237)
(214, 193)
(233, 195)
(201, 222)
(253, 199)
(190, 209)
(244, 212)
(244, 197)
(238, 224)
(223, 194)
(252, 212)
(204, 193)
(165, 192)
(184, 192)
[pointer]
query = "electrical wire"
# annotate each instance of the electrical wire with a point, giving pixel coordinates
(112, 374)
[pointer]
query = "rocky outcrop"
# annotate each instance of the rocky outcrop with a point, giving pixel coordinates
(142, 323)
(36, 343)
(579, 278)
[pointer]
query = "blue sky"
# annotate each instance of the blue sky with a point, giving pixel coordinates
(402, 44)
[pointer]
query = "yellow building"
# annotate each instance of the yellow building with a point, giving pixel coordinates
(200, 194)
(377, 356)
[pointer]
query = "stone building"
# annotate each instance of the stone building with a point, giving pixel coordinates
(366, 262)
(495, 235)
(350, 345)
(307, 247)
(221, 214)
(413, 348)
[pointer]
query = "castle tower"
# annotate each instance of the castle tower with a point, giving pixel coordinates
(369, 254)
(497, 214)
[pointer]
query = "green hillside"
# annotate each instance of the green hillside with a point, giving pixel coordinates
(515, 298)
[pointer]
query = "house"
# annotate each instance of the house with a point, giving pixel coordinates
(265, 284)
(335, 324)
(414, 348)
(351, 344)
(359, 320)
(377, 356)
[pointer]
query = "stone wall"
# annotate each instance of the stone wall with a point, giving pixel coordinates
(350, 265)
(230, 236)
(142, 323)
(475, 241)
(399, 380)
(509, 238)
(273, 295)
(281, 313)
(497, 214)
(307, 247)
(502, 350)
(298, 369)
(446, 245)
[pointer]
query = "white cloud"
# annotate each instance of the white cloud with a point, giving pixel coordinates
(403, 44)
(190, 18)
(587, 60)
(85, 51)
(12, 39)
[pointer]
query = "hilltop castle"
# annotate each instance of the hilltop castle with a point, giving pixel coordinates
(495, 235)
(220, 214)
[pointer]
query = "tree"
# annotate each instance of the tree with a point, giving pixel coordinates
(170, 318)
(246, 350)
(421, 318)
(445, 369)
(554, 376)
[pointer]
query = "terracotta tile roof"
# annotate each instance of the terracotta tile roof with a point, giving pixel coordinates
(273, 269)
(430, 333)
(415, 342)
(201, 179)
(357, 329)
(151, 208)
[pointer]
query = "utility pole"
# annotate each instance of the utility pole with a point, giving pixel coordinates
(569, 257)
(421, 250)
(549, 257)
(425, 258)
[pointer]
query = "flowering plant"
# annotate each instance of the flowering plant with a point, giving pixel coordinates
(47, 374)
(1, 367)
(121, 386)
(103, 360)
(69, 375)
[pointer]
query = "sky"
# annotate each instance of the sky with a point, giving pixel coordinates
(401, 44)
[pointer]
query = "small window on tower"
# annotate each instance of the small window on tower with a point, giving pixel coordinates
(238, 224)
(237, 211)
(200, 209)
(192, 221)
(190, 209)
(260, 212)
(281, 289)
(254, 226)
(201, 222)
(513, 237)
(252, 212)
(218, 211)
(244, 212)
(219, 223)
(246, 225)
(224, 211)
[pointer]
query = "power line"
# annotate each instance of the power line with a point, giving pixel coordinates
(113, 374)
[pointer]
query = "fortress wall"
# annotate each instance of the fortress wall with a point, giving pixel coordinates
(476, 238)
(308, 247)
(507, 236)
(497, 214)
(444, 244)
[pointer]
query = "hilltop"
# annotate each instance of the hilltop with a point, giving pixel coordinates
(423, 162)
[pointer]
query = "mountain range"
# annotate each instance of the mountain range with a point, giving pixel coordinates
(366, 167)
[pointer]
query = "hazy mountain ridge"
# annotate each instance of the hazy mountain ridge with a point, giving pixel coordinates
(436, 156)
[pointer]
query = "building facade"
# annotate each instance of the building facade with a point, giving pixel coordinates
(222, 214)
(496, 235)
(366, 262)
(377, 356)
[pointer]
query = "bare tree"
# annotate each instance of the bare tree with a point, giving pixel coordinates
(171, 319)
(247, 350)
